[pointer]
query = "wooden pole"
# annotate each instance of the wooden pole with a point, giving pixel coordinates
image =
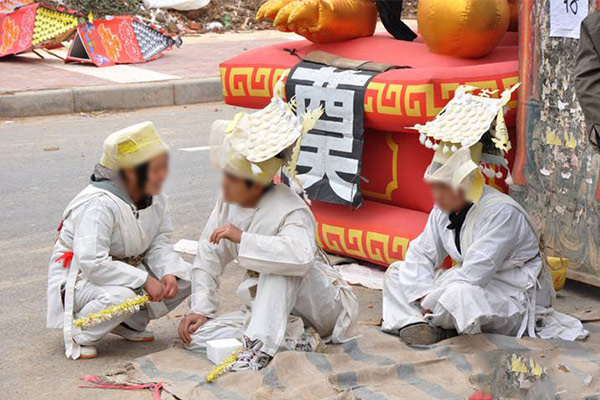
(525, 71)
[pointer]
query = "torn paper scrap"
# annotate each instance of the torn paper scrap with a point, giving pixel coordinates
(186, 246)
(355, 274)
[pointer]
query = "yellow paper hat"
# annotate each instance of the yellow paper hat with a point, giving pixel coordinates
(132, 146)
(256, 145)
(262, 173)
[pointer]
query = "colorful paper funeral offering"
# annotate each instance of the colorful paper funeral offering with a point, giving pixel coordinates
(34, 26)
(119, 40)
(7, 6)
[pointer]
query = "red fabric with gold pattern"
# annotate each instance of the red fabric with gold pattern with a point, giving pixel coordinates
(375, 232)
(396, 99)
(397, 200)
(393, 167)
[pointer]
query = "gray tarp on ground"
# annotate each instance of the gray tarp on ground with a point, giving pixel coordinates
(377, 366)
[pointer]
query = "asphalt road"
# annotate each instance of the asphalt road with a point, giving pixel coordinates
(44, 162)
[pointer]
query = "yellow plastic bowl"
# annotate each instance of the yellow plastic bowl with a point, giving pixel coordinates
(558, 270)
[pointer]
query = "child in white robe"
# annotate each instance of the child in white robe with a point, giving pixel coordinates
(114, 242)
(501, 283)
(291, 297)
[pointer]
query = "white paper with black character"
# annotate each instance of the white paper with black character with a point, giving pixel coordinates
(330, 160)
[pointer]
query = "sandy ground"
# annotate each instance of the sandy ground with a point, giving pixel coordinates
(44, 162)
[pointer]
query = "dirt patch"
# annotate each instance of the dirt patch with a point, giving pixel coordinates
(410, 9)
(220, 16)
(238, 15)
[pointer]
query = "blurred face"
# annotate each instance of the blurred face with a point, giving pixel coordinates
(237, 191)
(446, 198)
(156, 171)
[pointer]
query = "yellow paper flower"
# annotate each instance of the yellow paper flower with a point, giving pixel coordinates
(222, 368)
(129, 306)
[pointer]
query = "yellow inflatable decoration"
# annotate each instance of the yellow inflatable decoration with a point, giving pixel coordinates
(322, 21)
(463, 28)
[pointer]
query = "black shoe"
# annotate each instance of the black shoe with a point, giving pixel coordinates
(424, 334)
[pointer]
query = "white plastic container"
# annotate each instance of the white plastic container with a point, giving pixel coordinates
(219, 350)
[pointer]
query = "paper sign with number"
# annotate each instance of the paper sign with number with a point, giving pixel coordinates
(566, 17)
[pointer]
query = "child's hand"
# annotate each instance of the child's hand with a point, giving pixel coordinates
(154, 289)
(190, 324)
(229, 232)
(169, 283)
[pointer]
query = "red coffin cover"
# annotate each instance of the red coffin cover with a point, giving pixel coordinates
(375, 232)
(397, 201)
(395, 100)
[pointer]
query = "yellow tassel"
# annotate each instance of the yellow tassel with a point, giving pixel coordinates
(501, 140)
(310, 118)
(291, 167)
(279, 89)
(222, 368)
(129, 306)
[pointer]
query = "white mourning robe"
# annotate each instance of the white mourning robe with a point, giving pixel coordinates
(288, 285)
(498, 286)
(101, 228)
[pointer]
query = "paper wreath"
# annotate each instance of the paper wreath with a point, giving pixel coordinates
(465, 120)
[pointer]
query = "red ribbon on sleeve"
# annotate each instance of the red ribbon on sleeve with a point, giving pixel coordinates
(66, 258)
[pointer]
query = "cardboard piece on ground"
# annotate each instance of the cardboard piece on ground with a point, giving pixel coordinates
(587, 315)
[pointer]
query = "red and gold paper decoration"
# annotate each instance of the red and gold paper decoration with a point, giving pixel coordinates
(34, 26)
(119, 40)
(7, 6)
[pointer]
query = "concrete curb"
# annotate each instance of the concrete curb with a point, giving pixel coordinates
(110, 97)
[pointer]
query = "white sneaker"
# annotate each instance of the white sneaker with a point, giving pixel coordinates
(87, 352)
(251, 358)
(307, 342)
(132, 335)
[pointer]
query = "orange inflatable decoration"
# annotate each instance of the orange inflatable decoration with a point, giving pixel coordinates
(514, 15)
(322, 21)
(463, 28)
